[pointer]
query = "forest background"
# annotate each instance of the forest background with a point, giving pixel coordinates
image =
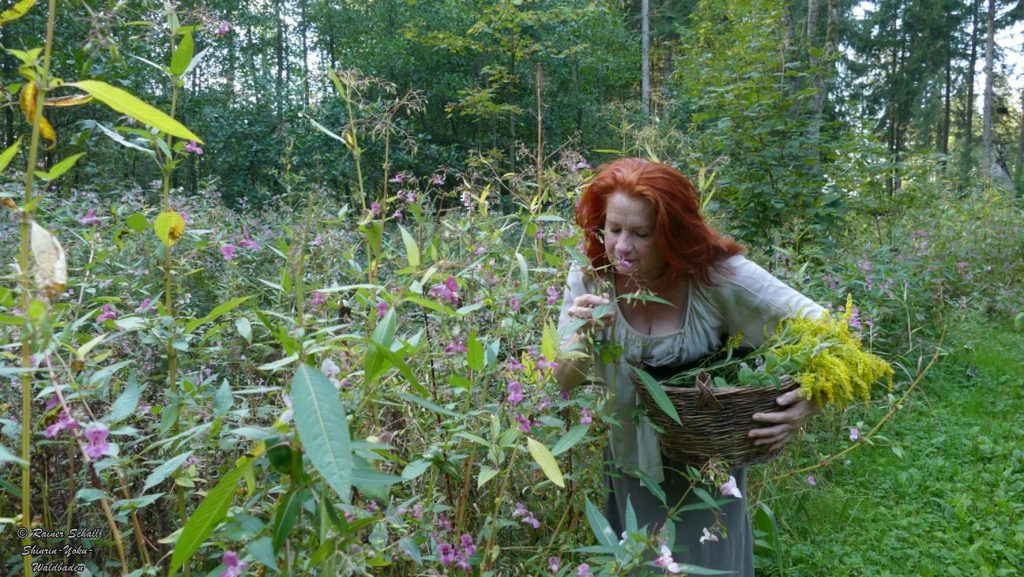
(332, 357)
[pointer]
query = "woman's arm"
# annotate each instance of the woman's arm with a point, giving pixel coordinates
(576, 355)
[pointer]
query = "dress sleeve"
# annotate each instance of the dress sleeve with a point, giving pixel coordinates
(575, 285)
(752, 301)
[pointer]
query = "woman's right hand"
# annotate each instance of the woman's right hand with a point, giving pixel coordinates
(583, 308)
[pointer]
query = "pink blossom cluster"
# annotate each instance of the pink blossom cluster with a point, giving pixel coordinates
(458, 555)
(448, 290)
(524, 515)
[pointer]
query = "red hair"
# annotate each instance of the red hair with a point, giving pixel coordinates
(685, 241)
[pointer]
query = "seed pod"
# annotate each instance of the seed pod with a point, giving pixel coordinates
(51, 264)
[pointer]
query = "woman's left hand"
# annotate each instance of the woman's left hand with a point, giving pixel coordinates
(796, 410)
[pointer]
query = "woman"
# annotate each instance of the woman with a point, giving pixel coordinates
(644, 234)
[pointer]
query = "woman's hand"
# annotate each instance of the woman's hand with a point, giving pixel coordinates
(583, 308)
(789, 420)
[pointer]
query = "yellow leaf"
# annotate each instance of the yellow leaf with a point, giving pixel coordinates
(169, 227)
(28, 100)
(546, 460)
(16, 11)
(69, 100)
(28, 107)
(51, 264)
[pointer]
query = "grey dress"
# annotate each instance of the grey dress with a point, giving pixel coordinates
(742, 297)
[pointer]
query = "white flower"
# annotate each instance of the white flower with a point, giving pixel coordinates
(666, 560)
(286, 416)
(330, 368)
(729, 488)
(708, 537)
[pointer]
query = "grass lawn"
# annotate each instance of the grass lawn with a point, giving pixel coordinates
(941, 489)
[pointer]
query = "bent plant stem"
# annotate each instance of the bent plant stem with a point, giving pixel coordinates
(136, 525)
(892, 412)
(486, 563)
(437, 417)
(105, 505)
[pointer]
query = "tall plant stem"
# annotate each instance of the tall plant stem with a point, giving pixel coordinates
(878, 426)
(172, 353)
(105, 505)
(356, 153)
(540, 141)
(433, 393)
(495, 514)
(25, 279)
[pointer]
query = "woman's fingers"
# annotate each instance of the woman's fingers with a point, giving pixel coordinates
(583, 308)
(785, 422)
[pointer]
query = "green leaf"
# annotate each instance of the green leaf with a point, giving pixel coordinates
(206, 517)
(658, 394)
(124, 141)
(104, 374)
(372, 482)
(127, 505)
(412, 250)
(9, 457)
(549, 342)
(160, 474)
(127, 402)
(89, 495)
(244, 329)
(599, 525)
(524, 271)
(546, 460)
(383, 335)
(411, 549)
(571, 438)
(415, 469)
(125, 103)
(474, 352)
(431, 406)
(486, 474)
(60, 168)
(285, 516)
(216, 313)
(223, 399)
(430, 304)
(323, 428)
(262, 550)
(280, 363)
(7, 155)
(137, 222)
(182, 56)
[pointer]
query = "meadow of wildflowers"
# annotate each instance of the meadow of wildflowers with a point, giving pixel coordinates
(362, 385)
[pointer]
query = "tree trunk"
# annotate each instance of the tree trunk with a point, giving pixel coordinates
(946, 110)
(303, 25)
(645, 59)
(1020, 147)
(969, 105)
(820, 69)
(279, 56)
(989, 72)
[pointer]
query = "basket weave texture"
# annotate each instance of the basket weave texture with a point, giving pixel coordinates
(715, 421)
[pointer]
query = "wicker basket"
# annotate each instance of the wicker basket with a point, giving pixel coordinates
(715, 421)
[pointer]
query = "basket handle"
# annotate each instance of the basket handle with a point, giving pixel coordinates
(706, 394)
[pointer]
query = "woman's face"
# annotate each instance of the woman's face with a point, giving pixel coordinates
(629, 238)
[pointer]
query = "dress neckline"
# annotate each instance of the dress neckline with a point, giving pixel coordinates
(683, 321)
